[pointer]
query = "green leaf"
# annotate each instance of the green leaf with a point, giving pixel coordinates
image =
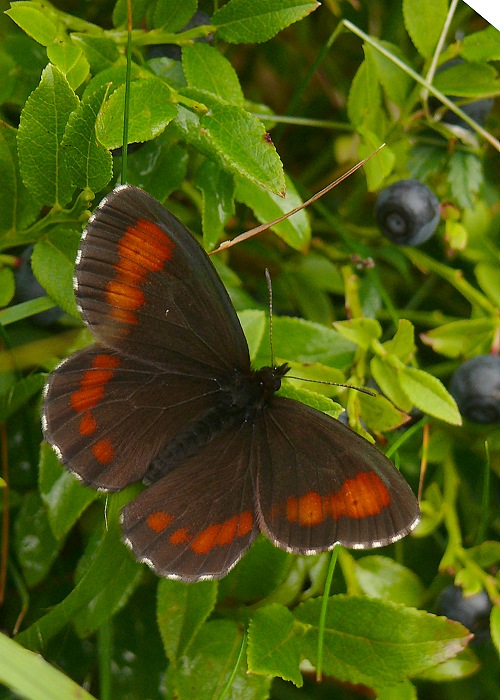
(396, 83)
(379, 413)
(173, 15)
(53, 262)
(402, 345)
(35, 545)
(78, 73)
(429, 395)
(303, 341)
(463, 665)
(468, 338)
(120, 16)
(32, 677)
(424, 20)
(89, 163)
(41, 130)
(359, 632)
(207, 69)
(482, 46)
(34, 19)
(465, 176)
(274, 644)
(111, 595)
(266, 206)
(159, 166)
(209, 664)
(151, 111)
(19, 394)
(361, 331)
(7, 286)
(17, 208)
(488, 279)
(381, 577)
(365, 97)
(98, 593)
(389, 381)
(245, 582)
(64, 55)
(381, 165)
(468, 80)
(181, 611)
(312, 399)
(254, 21)
(240, 141)
(100, 52)
(65, 497)
(217, 187)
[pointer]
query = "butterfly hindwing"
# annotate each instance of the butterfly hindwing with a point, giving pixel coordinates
(198, 521)
(319, 483)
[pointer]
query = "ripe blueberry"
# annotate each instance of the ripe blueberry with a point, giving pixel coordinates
(475, 386)
(407, 212)
(472, 611)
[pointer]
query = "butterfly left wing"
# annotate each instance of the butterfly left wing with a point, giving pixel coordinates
(319, 483)
(199, 520)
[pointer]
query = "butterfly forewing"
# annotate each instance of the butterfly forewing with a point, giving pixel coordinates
(108, 415)
(147, 288)
(319, 483)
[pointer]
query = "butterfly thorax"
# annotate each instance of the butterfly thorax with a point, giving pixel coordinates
(241, 397)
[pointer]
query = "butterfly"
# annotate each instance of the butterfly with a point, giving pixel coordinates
(167, 395)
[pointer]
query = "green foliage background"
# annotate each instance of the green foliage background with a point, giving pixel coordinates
(329, 83)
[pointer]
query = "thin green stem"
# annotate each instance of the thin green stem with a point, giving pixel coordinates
(454, 277)
(424, 83)
(322, 616)
(439, 47)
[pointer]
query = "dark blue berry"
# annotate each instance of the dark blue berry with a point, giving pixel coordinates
(472, 611)
(475, 386)
(407, 212)
(28, 288)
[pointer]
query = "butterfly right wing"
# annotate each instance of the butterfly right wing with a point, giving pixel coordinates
(107, 415)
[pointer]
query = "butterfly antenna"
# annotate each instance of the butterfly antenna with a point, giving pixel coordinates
(270, 292)
(126, 106)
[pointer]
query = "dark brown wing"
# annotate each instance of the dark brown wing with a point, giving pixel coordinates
(199, 520)
(146, 287)
(107, 415)
(319, 484)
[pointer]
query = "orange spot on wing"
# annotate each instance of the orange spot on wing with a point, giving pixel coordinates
(93, 383)
(103, 451)
(88, 424)
(222, 534)
(180, 536)
(106, 361)
(307, 510)
(203, 543)
(124, 296)
(364, 495)
(143, 249)
(159, 521)
(245, 523)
